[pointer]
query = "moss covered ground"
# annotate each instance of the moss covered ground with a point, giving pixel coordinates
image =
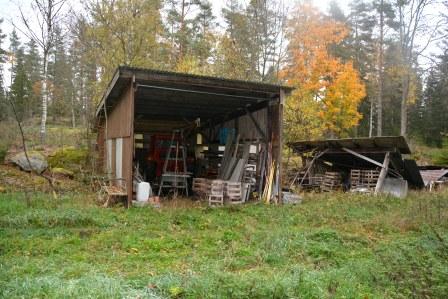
(330, 246)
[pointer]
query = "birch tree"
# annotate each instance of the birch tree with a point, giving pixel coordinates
(40, 26)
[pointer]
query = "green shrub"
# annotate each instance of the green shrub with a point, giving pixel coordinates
(441, 157)
(68, 158)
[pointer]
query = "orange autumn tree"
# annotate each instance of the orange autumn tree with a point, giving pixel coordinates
(328, 91)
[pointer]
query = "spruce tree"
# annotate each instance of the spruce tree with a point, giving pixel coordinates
(21, 89)
(32, 65)
(14, 46)
(203, 38)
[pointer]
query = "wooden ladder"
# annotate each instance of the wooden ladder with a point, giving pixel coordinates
(178, 179)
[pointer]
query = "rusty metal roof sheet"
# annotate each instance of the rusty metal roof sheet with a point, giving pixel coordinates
(433, 175)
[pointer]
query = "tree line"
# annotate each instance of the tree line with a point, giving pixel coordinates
(357, 72)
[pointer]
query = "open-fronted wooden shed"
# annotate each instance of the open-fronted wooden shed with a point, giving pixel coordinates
(357, 164)
(142, 106)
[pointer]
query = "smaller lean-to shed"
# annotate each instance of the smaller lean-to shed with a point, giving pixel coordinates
(147, 103)
(378, 157)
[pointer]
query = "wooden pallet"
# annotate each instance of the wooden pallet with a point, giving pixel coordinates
(331, 181)
(364, 178)
(234, 193)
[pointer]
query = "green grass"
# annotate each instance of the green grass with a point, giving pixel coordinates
(331, 246)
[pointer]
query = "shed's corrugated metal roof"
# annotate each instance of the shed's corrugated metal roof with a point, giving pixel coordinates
(205, 77)
(258, 91)
(386, 142)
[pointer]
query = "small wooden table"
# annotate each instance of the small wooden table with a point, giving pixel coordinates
(174, 181)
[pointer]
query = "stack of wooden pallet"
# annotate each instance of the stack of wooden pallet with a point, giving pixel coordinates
(201, 187)
(363, 179)
(218, 191)
(331, 181)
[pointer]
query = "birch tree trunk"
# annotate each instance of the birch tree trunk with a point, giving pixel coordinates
(43, 123)
(73, 111)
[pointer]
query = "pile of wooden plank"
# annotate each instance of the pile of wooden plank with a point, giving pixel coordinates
(331, 181)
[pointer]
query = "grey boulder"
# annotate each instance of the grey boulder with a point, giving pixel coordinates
(37, 163)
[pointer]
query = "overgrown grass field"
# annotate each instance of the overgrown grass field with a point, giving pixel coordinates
(330, 246)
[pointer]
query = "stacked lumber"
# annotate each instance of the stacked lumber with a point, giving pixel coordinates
(331, 181)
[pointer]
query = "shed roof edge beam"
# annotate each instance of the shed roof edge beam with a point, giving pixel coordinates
(199, 92)
(107, 92)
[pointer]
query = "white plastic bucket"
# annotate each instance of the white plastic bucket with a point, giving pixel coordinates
(143, 190)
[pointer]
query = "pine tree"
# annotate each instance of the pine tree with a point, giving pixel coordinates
(432, 110)
(204, 37)
(33, 67)
(180, 30)
(4, 107)
(21, 88)
(358, 47)
(266, 29)
(235, 47)
(60, 78)
(84, 66)
(14, 46)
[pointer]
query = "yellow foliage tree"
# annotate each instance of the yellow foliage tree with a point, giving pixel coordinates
(124, 32)
(328, 91)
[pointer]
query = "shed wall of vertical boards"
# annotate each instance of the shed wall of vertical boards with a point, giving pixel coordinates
(246, 127)
(120, 125)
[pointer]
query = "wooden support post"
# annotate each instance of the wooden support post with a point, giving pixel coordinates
(280, 142)
(129, 179)
(383, 173)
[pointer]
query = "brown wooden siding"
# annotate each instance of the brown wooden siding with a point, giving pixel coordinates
(119, 120)
(120, 125)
